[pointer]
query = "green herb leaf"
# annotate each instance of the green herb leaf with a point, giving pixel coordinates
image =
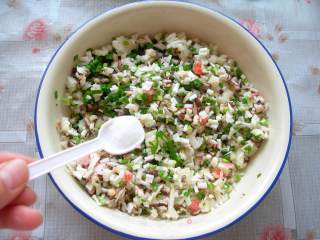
(108, 110)
(102, 199)
(201, 195)
(187, 67)
(174, 68)
(194, 50)
(264, 122)
(226, 186)
(148, 45)
(162, 175)
(226, 130)
(123, 161)
(169, 147)
(157, 96)
(133, 54)
(246, 133)
(105, 88)
(187, 193)
(76, 139)
(125, 67)
(210, 186)
(247, 149)
(117, 95)
(145, 211)
(155, 84)
(179, 105)
(245, 100)
(143, 177)
(95, 65)
(197, 84)
(140, 98)
(109, 58)
(206, 163)
(169, 51)
(224, 150)
(144, 110)
(124, 100)
(225, 160)
(244, 81)
(237, 177)
(55, 94)
(236, 71)
(129, 165)
(166, 176)
(214, 69)
(67, 101)
(125, 43)
(154, 147)
(154, 186)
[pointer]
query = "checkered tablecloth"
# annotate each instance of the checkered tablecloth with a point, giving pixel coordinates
(290, 29)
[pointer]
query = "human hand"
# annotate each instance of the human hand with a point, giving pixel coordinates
(15, 195)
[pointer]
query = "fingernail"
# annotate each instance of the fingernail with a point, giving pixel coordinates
(14, 173)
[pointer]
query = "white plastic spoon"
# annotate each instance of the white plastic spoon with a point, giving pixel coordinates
(117, 136)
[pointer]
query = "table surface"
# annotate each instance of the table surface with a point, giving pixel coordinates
(290, 29)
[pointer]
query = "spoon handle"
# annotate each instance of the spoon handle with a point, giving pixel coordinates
(45, 165)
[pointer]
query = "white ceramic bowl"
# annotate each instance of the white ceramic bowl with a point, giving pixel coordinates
(233, 40)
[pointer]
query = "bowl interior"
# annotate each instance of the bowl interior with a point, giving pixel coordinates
(233, 40)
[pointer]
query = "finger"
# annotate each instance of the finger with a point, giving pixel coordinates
(20, 218)
(27, 197)
(7, 156)
(14, 175)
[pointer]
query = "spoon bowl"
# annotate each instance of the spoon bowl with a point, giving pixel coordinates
(121, 135)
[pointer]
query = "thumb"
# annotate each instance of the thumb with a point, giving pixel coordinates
(14, 175)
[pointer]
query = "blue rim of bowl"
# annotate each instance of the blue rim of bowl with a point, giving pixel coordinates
(136, 237)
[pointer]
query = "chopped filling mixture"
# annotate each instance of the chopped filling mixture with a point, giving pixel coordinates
(203, 122)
